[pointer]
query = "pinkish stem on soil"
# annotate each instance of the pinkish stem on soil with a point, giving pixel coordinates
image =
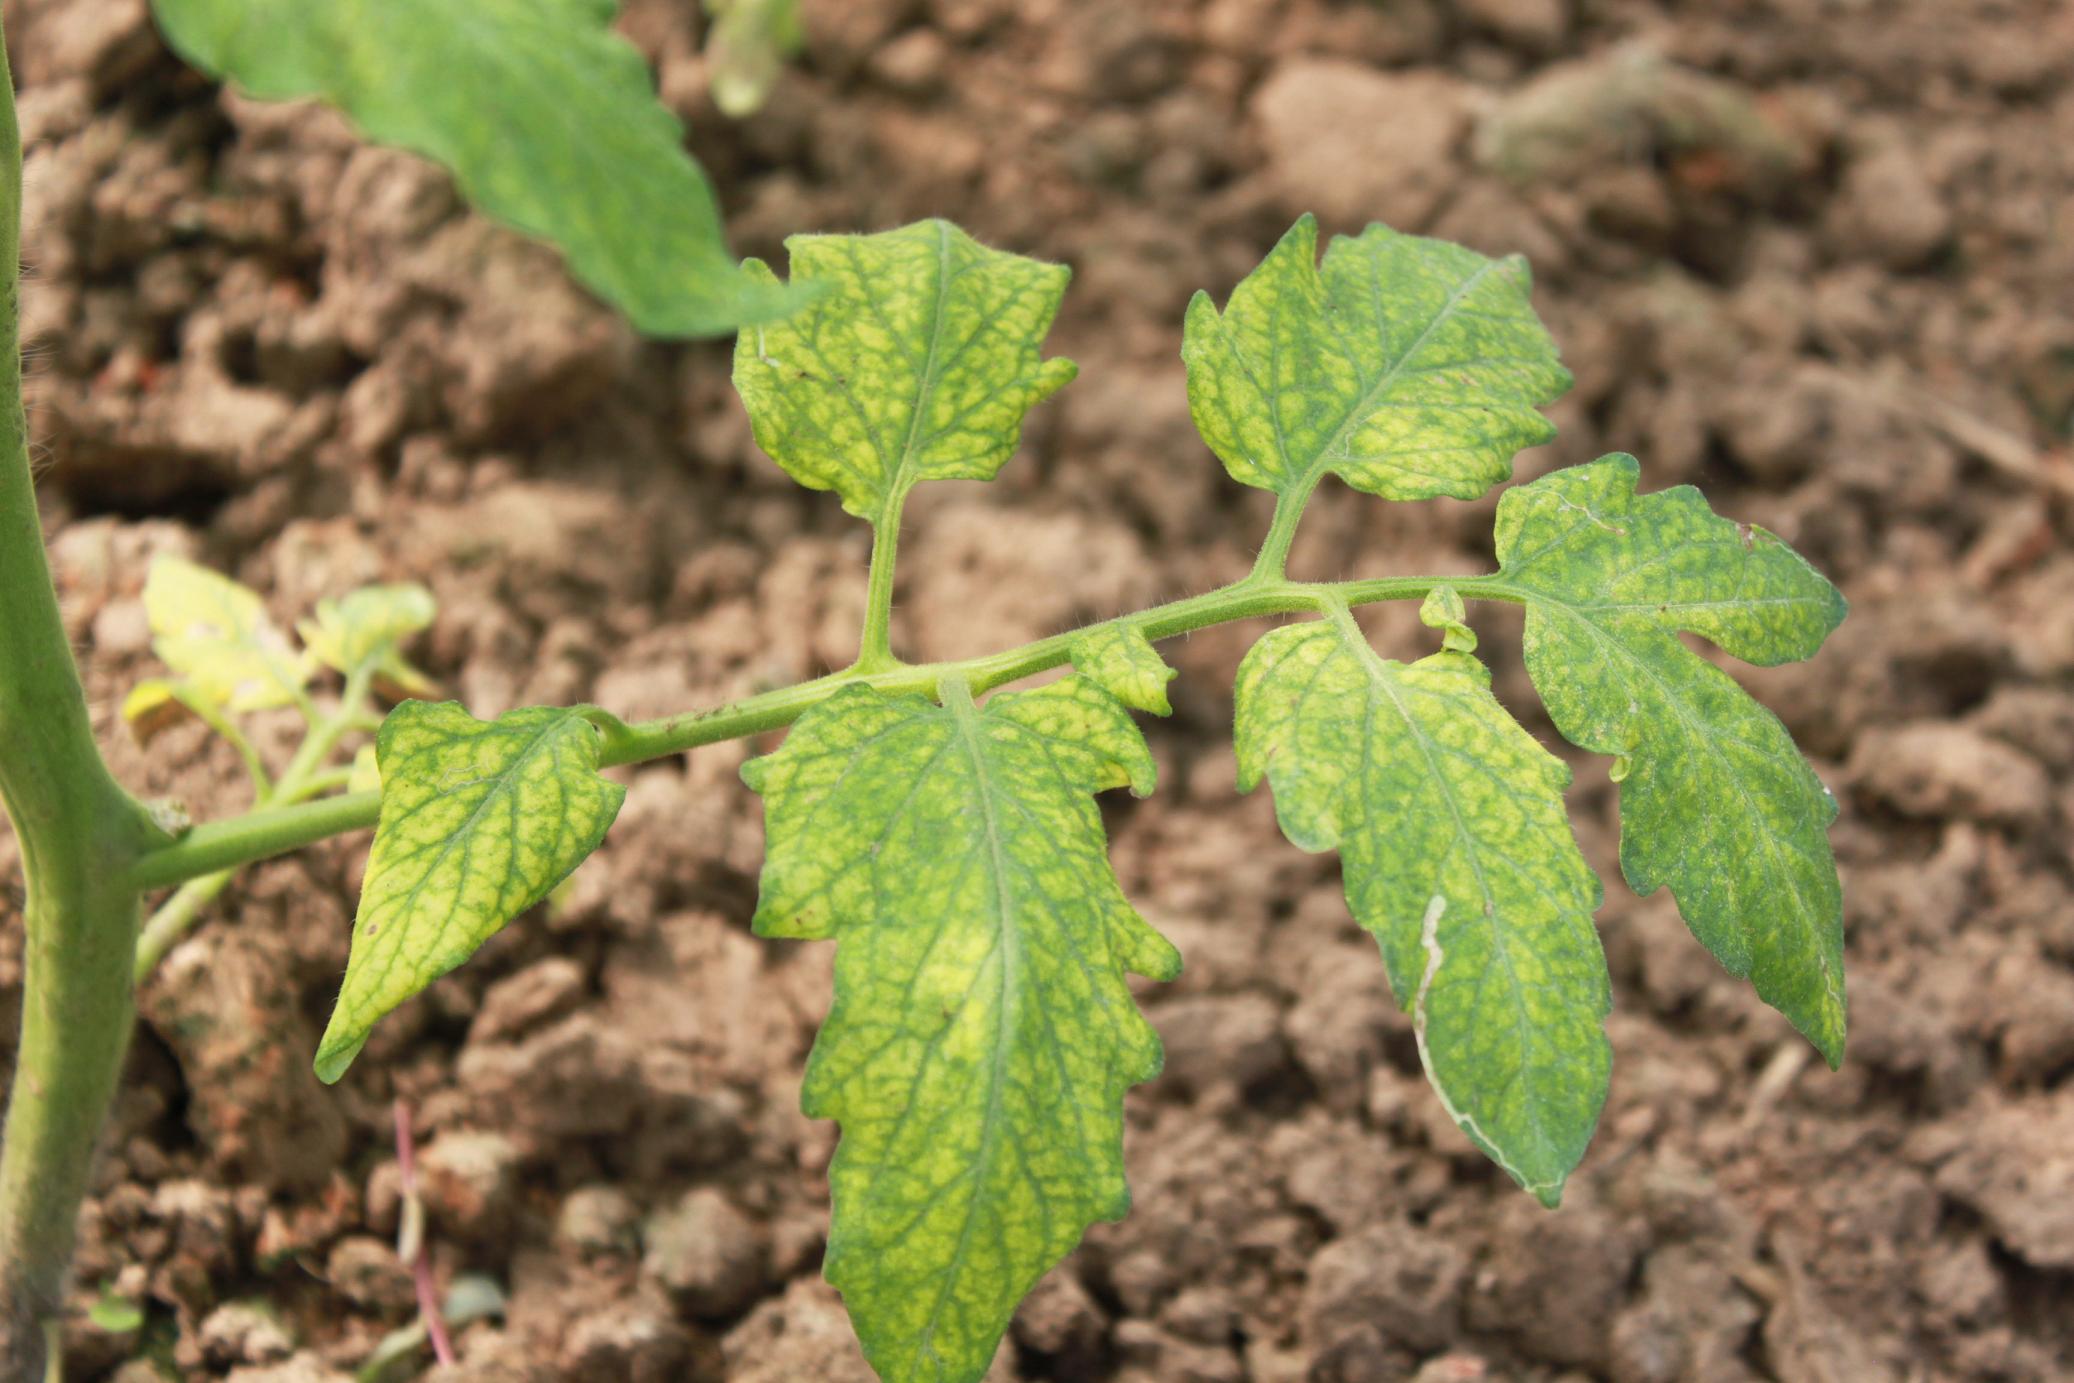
(420, 1255)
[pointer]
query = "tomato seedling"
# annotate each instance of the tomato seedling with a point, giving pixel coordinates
(983, 1032)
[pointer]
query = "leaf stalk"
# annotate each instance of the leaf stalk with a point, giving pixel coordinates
(305, 777)
(277, 829)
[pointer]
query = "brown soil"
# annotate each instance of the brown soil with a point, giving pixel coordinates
(1812, 255)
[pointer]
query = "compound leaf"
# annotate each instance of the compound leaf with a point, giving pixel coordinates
(1715, 801)
(1408, 367)
(480, 819)
(917, 362)
(1120, 660)
(1459, 859)
(366, 627)
(215, 634)
(982, 1034)
(548, 119)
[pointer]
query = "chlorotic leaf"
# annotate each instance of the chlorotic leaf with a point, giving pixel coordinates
(1408, 367)
(1444, 610)
(1120, 660)
(367, 627)
(366, 773)
(1715, 801)
(479, 820)
(982, 1035)
(917, 362)
(1459, 858)
(548, 119)
(215, 634)
(348, 632)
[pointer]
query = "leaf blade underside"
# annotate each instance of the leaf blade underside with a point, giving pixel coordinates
(1715, 800)
(1458, 857)
(918, 361)
(548, 119)
(1411, 368)
(479, 821)
(982, 1034)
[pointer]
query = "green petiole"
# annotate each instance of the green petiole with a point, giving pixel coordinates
(282, 822)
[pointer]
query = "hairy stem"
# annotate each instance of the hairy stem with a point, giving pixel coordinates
(875, 649)
(79, 833)
(1273, 562)
(279, 829)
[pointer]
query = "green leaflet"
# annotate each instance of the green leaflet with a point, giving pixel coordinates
(548, 119)
(918, 362)
(1459, 858)
(1715, 801)
(1120, 660)
(215, 634)
(1408, 367)
(983, 1034)
(480, 819)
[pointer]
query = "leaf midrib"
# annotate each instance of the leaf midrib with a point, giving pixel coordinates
(1380, 677)
(465, 831)
(966, 718)
(1367, 403)
(900, 478)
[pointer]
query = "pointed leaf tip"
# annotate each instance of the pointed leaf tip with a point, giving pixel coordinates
(547, 117)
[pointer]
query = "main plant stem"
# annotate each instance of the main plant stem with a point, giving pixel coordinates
(79, 834)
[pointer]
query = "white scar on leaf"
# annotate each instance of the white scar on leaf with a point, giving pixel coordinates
(1429, 937)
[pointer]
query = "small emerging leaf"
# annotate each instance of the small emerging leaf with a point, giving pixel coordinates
(367, 628)
(1408, 367)
(480, 819)
(1459, 858)
(118, 1315)
(918, 362)
(983, 1033)
(745, 49)
(216, 635)
(548, 119)
(1443, 609)
(1715, 801)
(1120, 660)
